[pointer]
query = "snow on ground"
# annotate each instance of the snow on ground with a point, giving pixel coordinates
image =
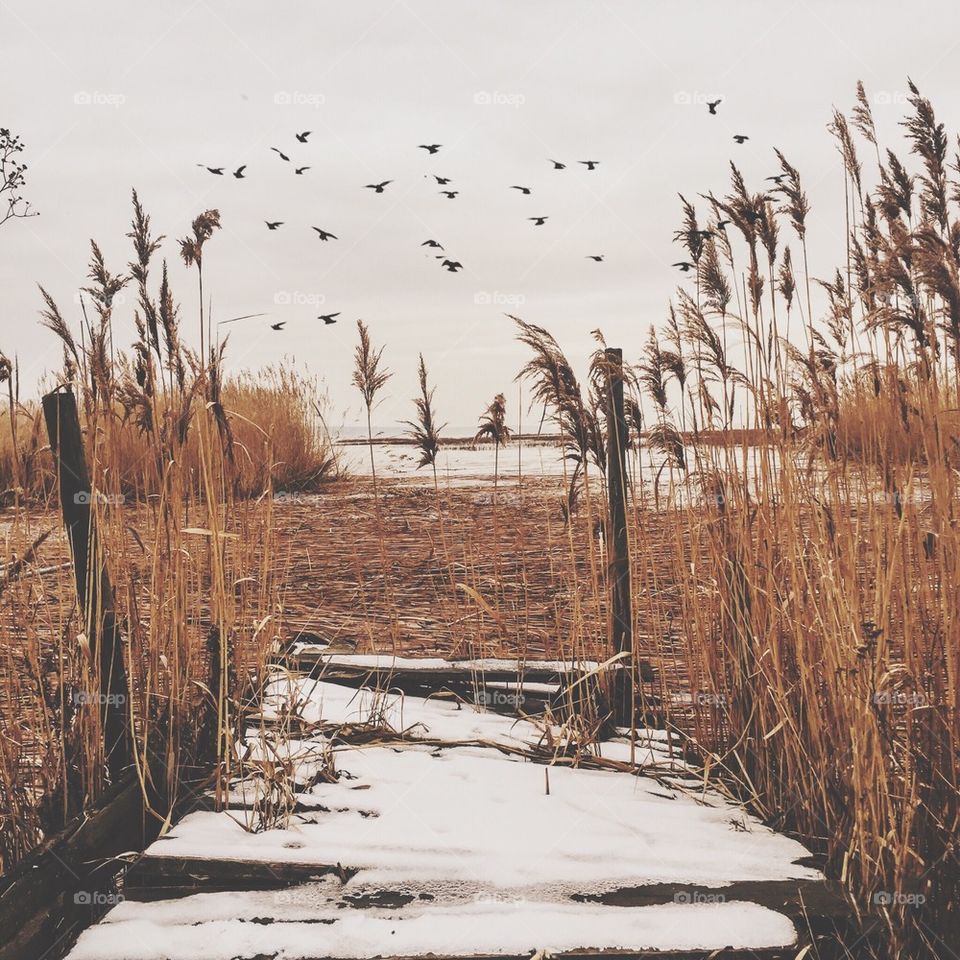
(384, 662)
(189, 931)
(462, 850)
(335, 704)
(470, 815)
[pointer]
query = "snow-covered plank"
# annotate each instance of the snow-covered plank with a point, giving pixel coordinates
(456, 840)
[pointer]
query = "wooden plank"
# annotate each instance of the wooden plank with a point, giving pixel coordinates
(94, 590)
(436, 673)
(618, 547)
(183, 875)
(38, 897)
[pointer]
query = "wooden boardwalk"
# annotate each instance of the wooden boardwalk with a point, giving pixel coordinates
(409, 826)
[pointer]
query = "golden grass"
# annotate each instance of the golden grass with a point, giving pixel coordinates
(793, 527)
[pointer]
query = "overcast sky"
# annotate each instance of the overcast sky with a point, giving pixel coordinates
(110, 96)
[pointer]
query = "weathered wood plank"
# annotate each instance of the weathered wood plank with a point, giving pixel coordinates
(38, 897)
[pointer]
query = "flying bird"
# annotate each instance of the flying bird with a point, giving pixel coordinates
(713, 104)
(278, 326)
(302, 137)
(452, 265)
(442, 181)
(595, 256)
(238, 173)
(538, 221)
(740, 137)
(273, 224)
(589, 164)
(378, 187)
(524, 190)
(217, 170)
(683, 265)
(432, 243)
(328, 318)
(557, 165)
(299, 171)
(430, 147)
(777, 178)
(450, 194)
(722, 224)
(324, 235)
(283, 156)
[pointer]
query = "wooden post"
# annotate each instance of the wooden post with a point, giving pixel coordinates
(618, 549)
(94, 590)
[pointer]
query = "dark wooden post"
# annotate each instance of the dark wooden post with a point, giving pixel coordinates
(94, 590)
(618, 549)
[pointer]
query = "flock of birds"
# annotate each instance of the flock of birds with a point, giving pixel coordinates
(452, 266)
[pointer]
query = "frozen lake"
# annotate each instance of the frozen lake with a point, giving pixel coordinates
(456, 461)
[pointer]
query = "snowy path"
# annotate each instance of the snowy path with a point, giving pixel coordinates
(448, 843)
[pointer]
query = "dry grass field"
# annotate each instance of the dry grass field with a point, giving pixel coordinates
(796, 598)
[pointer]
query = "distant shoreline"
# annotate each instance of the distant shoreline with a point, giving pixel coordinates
(713, 437)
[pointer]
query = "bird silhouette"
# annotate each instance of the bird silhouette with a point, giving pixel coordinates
(452, 265)
(328, 318)
(524, 190)
(713, 104)
(302, 137)
(278, 326)
(432, 243)
(589, 164)
(430, 147)
(595, 256)
(722, 224)
(683, 265)
(324, 235)
(217, 170)
(538, 221)
(740, 137)
(283, 156)
(777, 178)
(273, 224)
(450, 194)
(442, 181)
(557, 165)
(378, 187)
(238, 173)
(299, 171)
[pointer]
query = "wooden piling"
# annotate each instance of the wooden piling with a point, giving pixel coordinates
(620, 618)
(94, 590)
